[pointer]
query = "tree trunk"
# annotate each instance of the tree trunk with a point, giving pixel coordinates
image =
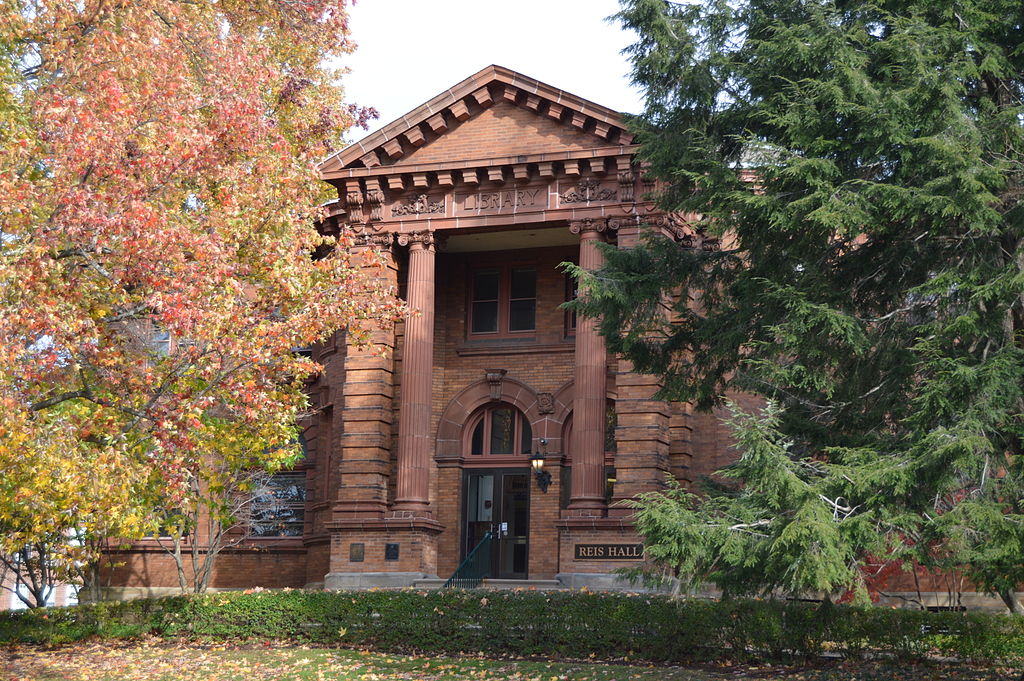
(91, 581)
(179, 564)
(1012, 602)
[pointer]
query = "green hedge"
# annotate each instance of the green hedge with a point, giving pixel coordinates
(558, 624)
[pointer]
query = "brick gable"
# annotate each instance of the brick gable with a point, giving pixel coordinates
(503, 130)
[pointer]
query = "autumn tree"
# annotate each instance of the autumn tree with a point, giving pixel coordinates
(158, 200)
(863, 162)
(220, 508)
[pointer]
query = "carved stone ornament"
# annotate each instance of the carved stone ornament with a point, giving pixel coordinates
(419, 206)
(423, 236)
(673, 224)
(354, 205)
(588, 225)
(375, 198)
(545, 403)
(616, 224)
(381, 241)
(494, 379)
(627, 184)
(684, 234)
(711, 244)
(649, 183)
(588, 189)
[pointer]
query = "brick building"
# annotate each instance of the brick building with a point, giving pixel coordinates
(468, 205)
(472, 201)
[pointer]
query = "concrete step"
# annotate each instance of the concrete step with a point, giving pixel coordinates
(532, 584)
(497, 584)
(428, 583)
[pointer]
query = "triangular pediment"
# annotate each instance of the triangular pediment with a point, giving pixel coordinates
(496, 113)
(499, 131)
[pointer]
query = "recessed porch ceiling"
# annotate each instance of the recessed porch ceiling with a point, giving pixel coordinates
(525, 236)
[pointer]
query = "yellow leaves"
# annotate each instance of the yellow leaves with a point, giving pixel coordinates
(157, 660)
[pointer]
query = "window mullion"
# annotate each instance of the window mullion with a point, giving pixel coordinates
(504, 300)
(517, 435)
(487, 433)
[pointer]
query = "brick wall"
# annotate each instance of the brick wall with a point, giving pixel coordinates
(266, 566)
(711, 441)
(416, 551)
(501, 130)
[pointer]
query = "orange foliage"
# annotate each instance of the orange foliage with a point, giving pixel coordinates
(157, 177)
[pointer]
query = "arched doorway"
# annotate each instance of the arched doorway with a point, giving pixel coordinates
(496, 487)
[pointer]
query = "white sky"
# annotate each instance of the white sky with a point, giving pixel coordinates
(411, 50)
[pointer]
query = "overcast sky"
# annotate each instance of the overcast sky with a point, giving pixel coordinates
(411, 50)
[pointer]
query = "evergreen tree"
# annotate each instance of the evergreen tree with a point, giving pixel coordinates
(862, 162)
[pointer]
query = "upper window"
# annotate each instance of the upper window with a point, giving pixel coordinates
(498, 430)
(503, 301)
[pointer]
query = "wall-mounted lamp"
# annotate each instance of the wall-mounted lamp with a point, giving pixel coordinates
(542, 477)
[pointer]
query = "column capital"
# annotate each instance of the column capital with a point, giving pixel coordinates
(594, 225)
(424, 238)
(381, 240)
(631, 221)
(678, 228)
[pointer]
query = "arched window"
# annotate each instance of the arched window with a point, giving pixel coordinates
(500, 429)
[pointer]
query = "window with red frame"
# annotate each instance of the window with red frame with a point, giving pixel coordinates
(503, 301)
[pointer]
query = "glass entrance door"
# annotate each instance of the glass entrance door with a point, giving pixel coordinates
(498, 501)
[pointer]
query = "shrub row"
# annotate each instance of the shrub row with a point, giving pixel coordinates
(557, 624)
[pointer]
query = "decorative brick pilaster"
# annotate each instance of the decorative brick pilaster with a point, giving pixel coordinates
(371, 546)
(642, 435)
(366, 411)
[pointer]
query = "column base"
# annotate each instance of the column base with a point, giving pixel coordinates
(596, 511)
(418, 513)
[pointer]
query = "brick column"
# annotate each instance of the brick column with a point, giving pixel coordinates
(413, 489)
(588, 479)
(366, 411)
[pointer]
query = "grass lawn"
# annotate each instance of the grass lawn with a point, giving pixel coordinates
(158, 660)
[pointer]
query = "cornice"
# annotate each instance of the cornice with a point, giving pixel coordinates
(409, 169)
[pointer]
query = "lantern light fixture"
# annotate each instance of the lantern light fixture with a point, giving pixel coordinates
(542, 477)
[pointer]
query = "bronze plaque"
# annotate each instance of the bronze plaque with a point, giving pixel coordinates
(356, 551)
(609, 551)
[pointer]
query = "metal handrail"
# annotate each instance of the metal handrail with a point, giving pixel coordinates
(474, 568)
